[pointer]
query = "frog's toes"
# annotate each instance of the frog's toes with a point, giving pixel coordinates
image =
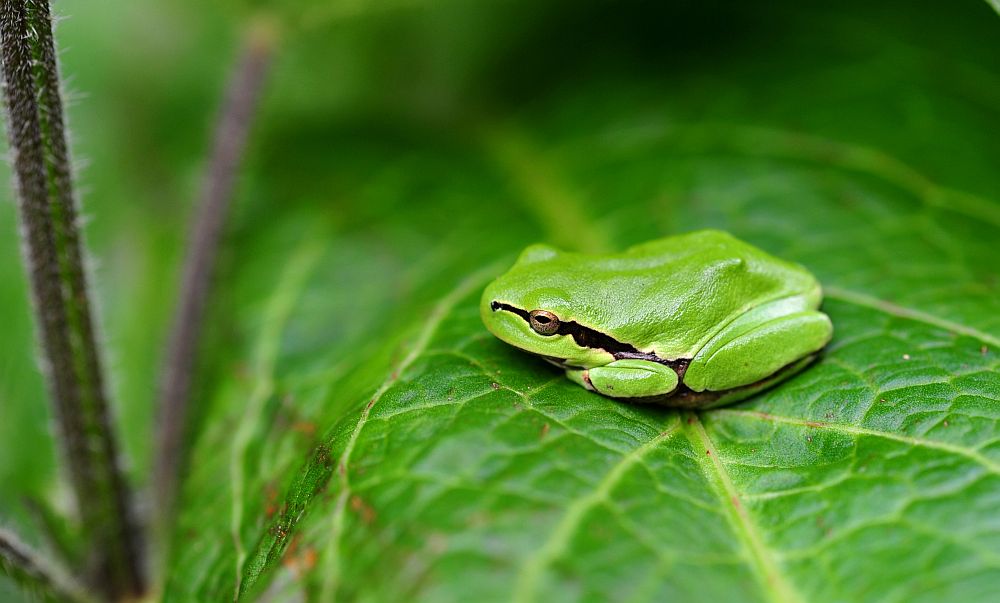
(627, 379)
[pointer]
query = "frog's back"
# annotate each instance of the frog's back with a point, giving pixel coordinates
(673, 294)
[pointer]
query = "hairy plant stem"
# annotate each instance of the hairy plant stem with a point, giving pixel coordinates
(54, 258)
(231, 133)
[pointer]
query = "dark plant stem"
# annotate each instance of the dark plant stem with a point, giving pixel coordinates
(26, 567)
(231, 132)
(53, 254)
(128, 557)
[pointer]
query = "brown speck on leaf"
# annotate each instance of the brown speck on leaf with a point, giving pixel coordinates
(323, 456)
(370, 404)
(437, 543)
(906, 356)
(362, 508)
(690, 420)
(882, 400)
(321, 487)
(306, 428)
(342, 469)
(821, 524)
(984, 350)
(495, 385)
(270, 500)
(308, 558)
(293, 546)
(945, 423)
(708, 452)
(814, 424)
(299, 562)
(736, 502)
(279, 531)
(545, 430)
(243, 372)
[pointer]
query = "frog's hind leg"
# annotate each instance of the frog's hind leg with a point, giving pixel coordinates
(757, 346)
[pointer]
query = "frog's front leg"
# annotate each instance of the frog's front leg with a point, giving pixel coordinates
(627, 379)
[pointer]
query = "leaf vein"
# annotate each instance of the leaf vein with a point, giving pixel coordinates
(969, 453)
(860, 299)
(525, 588)
(423, 340)
(775, 583)
(276, 315)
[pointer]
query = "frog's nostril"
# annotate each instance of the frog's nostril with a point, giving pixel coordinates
(494, 305)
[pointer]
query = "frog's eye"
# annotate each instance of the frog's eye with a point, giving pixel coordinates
(543, 323)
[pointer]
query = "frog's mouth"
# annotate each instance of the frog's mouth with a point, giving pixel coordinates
(584, 337)
(497, 305)
(587, 337)
(559, 362)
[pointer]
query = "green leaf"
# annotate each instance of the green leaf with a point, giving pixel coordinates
(379, 444)
(360, 434)
(36, 575)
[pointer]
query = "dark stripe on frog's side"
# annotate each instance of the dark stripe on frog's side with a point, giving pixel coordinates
(589, 338)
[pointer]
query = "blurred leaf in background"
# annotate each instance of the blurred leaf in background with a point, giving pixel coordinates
(359, 434)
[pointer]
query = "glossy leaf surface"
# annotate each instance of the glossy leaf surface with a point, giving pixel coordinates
(361, 435)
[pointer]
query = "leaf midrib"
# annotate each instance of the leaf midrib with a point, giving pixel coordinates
(556, 543)
(591, 236)
(773, 580)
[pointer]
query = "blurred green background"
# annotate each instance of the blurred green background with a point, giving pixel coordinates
(376, 111)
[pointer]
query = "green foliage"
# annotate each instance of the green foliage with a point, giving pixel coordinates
(359, 431)
(33, 573)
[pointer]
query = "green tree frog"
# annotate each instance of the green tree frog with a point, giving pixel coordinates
(695, 320)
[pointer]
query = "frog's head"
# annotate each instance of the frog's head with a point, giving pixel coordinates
(529, 309)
